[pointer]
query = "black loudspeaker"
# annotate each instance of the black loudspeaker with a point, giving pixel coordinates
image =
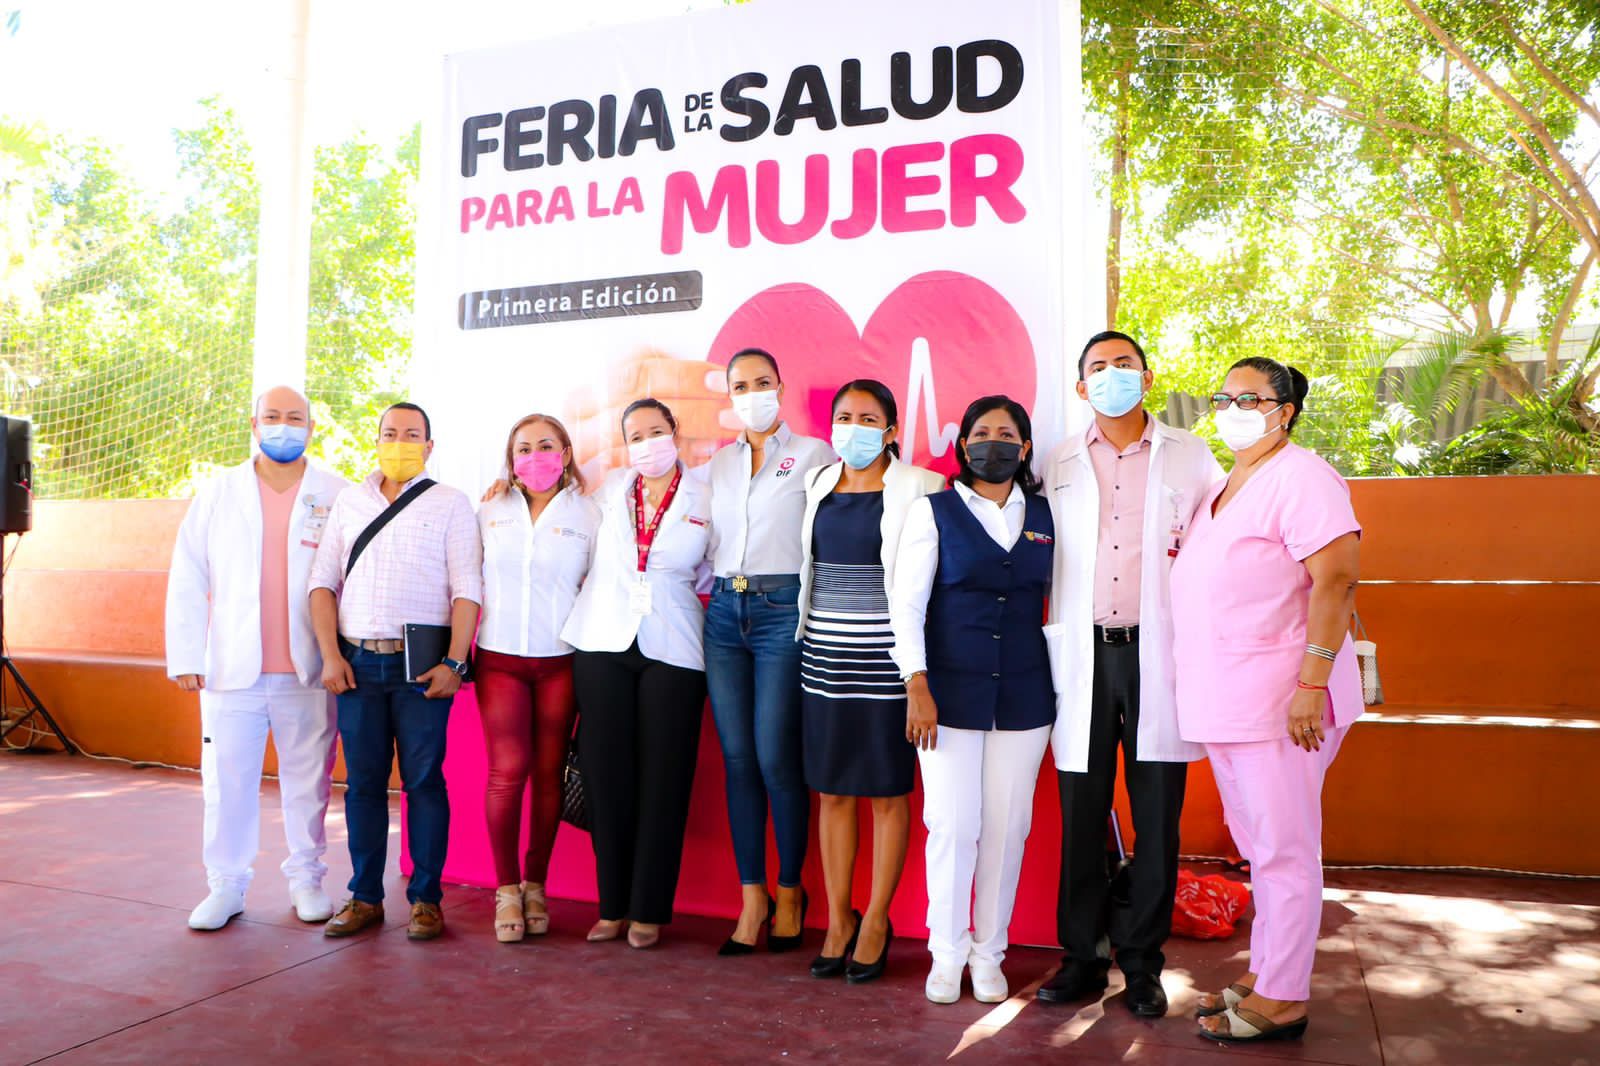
(16, 475)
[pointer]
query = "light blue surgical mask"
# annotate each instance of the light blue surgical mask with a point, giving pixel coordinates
(284, 443)
(1116, 390)
(859, 446)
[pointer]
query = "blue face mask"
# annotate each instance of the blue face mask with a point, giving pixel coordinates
(1115, 391)
(283, 443)
(859, 446)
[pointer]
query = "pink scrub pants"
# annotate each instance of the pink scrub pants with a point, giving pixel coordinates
(1272, 796)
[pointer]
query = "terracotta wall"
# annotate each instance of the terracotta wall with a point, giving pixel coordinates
(1482, 594)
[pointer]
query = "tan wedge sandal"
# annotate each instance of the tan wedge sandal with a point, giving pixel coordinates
(535, 914)
(508, 922)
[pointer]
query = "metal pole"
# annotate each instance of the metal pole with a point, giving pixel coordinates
(283, 157)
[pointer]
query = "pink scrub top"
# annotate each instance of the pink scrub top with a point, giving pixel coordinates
(1240, 593)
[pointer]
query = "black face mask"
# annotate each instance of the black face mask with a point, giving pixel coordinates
(994, 461)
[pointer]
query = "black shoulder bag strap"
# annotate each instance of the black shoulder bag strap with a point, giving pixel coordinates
(377, 524)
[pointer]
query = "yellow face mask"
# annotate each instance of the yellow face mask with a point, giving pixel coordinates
(401, 460)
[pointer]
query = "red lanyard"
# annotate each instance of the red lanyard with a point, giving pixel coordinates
(644, 536)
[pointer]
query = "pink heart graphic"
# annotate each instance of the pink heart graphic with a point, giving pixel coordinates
(939, 341)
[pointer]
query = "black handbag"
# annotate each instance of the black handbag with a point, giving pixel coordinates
(574, 802)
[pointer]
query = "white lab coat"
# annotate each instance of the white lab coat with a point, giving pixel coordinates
(214, 587)
(903, 485)
(1182, 468)
(602, 618)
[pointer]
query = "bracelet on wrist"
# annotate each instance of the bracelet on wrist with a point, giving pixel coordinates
(1320, 652)
(1310, 688)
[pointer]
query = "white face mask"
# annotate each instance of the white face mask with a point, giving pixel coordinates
(757, 410)
(1241, 429)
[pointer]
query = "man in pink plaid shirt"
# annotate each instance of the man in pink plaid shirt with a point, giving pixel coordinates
(425, 566)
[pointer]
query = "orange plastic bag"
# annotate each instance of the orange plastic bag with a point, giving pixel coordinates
(1207, 908)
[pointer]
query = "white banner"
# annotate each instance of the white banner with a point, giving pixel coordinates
(865, 190)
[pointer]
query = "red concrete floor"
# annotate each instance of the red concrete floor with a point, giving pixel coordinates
(99, 866)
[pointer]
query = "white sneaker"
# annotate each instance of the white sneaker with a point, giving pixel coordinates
(311, 904)
(215, 910)
(988, 983)
(944, 983)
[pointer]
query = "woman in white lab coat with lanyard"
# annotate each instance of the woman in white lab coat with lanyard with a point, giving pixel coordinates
(639, 670)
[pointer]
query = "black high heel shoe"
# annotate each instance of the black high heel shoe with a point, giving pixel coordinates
(834, 965)
(731, 947)
(859, 973)
(778, 944)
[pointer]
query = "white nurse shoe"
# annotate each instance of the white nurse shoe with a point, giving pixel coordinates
(217, 909)
(988, 983)
(311, 904)
(944, 983)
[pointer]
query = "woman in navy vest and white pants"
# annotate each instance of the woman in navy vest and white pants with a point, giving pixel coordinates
(967, 608)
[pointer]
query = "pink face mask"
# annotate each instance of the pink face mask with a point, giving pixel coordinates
(653, 456)
(538, 470)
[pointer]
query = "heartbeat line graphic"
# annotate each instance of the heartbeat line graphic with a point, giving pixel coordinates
(919, 386)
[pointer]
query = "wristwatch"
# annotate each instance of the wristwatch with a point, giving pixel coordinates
(457, 665)
(906, 679)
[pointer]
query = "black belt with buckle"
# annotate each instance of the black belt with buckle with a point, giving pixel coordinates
(756, 582)
(1116, 634)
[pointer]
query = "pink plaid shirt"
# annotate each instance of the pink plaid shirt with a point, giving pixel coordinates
(428, 557)
(1123, 477)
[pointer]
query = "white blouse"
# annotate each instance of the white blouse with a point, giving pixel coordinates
(532, 570)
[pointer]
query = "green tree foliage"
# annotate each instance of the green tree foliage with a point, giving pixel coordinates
(131, 351)
(1304, 178)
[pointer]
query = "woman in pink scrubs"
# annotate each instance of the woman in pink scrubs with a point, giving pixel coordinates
(1262, 592)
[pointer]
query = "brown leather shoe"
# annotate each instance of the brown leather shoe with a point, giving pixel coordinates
(427, 921)
(353, 917)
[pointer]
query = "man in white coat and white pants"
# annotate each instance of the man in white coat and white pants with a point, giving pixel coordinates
(1122, 495)
(239, 633)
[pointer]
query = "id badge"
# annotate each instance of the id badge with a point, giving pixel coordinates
(639, 597)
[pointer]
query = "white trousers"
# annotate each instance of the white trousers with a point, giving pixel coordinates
(977, 802)
(234, 727)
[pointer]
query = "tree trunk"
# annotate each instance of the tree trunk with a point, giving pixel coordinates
(1558, 328)
(1119, 178)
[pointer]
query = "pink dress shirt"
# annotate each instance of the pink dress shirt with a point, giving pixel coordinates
(276, 510)
(1240, 594)
(1122, 477)
(423, 561)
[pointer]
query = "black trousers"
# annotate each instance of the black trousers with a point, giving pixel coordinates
(1084, 910)
(638, 735)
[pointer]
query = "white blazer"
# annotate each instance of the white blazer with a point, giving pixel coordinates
(214, 585)
(903, 484)
(1182, 469)
(602, 618)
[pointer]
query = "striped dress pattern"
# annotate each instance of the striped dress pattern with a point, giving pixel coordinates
(852, 698)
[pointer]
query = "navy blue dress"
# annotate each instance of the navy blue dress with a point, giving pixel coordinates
(853, 703)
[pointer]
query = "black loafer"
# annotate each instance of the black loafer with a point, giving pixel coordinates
(779, 944)
(1074, 982)
(834, 965)
(1145, 996)
(858, 973)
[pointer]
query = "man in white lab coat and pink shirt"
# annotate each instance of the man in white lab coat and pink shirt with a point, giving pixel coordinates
(238, 632)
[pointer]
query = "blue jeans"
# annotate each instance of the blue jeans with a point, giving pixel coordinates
(382, 716)
(753, 676)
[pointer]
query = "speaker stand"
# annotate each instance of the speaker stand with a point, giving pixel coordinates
(33, 705)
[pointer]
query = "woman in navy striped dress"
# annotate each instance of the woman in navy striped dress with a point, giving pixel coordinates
(853, 702)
